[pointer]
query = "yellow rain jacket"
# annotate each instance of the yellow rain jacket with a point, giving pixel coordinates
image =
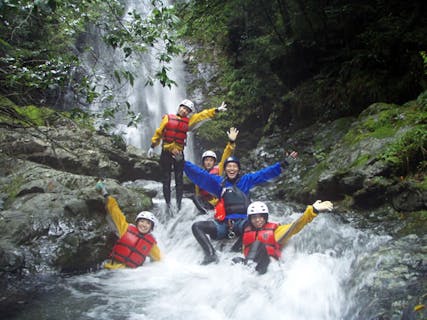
(121, 225)
(297, 225)
(194, 119)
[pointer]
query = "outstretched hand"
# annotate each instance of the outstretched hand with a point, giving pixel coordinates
(232, 134)
(222, 107)
(100, 187)
(289, 158)
(321, 206)
(150, 152)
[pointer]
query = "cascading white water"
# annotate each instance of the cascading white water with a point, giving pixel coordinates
(150, 102)
(325, 272)
(312, 281)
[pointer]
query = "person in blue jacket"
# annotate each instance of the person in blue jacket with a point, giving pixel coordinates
(233, 192)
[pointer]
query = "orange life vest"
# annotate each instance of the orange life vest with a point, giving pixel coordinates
(265, 235)
(133, 247)
(176, 129)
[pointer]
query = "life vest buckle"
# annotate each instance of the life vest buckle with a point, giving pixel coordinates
(231, 234)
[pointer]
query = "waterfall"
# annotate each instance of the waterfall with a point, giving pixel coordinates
(330, 270)
(151, 102)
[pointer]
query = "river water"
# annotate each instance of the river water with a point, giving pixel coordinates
(330, 270)
(326, 272)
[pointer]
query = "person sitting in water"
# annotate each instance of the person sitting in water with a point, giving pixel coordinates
(262, 239)
(233, 192)
(202, 199)
(136, 242)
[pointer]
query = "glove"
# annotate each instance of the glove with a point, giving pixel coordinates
(290, 157)
(320, 206)
(232, 134)
(100, 187)
(222, 107)
(150, 152)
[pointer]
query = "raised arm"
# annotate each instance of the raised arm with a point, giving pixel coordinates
(285, 232)
(209, 182)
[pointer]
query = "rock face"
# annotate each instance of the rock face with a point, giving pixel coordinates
(52, 220)
(368, 162)
(79, 151)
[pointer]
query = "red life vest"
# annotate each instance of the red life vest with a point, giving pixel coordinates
(203, 193)
(133, 247)
(176, 129)
(265, 235)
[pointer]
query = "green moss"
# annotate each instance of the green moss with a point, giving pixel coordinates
(12, 188)
(408, 150)
(359, 162)
(312, 177)
(415, 223)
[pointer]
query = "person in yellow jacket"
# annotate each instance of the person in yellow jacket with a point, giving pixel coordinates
(262, 239)
(173, 133)
(202, 199)
(136, 241)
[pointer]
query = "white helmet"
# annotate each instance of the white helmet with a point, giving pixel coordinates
(258, 207)
(208, 153)
(187, 103)
(146, 215)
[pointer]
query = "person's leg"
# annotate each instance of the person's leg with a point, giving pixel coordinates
(200, 231)
(166, 167)
(179, 181)
(258, 254)
(198, 203)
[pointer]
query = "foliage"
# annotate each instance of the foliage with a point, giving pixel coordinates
(42, 43)
(408, 151)
(298, 61)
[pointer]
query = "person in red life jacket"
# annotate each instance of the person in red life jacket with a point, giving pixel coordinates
(202, 199)
(232, 190)
(136, 241)
(262, 239)
(173, 132)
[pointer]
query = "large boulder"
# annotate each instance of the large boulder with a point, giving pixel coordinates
(78, 150)
(54, 222)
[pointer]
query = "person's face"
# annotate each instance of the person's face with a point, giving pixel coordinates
(231, 170)
(208, 162)
(258, 220)
(183, 111)
(144, 226)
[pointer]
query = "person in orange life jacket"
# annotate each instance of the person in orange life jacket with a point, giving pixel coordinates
(202, 199)
(173, 132)
(233, 192)
(262, 239)
(136, 242)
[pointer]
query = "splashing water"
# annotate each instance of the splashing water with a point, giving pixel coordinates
(310, 282)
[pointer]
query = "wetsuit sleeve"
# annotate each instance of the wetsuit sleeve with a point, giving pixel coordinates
(155, 253)
(117, 215)
(158, 134)
(201, 116)
(228, 151)
(209, 182)
(282, 235)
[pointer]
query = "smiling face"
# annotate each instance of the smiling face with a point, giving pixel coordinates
(232, 170)
(258, 220)
(144, 225)
(208, 162)
(183, 111)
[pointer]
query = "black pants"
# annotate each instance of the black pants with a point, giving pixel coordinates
(201, 204)
(168, 164)
(200, 231)
(258, 254)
